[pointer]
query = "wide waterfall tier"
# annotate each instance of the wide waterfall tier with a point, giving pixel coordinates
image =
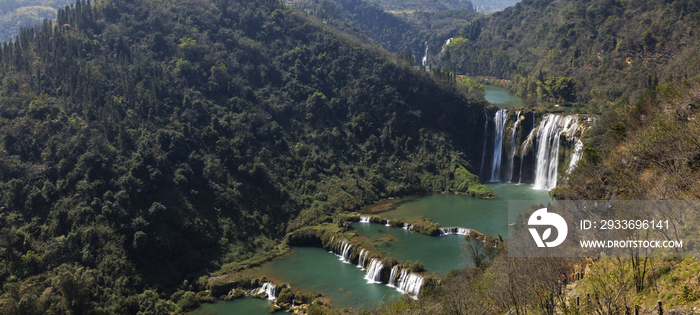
(374, 271)
(530, 148)
(410, 283)
(364, 219)
(454, 230)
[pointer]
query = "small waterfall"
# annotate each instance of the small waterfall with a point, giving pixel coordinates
(345, 255)
(374, 271)
(392, 277)
(483, 152)
(454, 230)
(407, 227)
(550, 129)
(425, 58)
(410, 285)
(362, 260)
(330, 244)
(364, 219)
(500, 122)
(576, 156)
(387, 223)
(447, 42)
(359, 258)
(269, 289)
(513, 147)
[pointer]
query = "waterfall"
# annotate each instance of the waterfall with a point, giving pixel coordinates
(387, 223)
(364, 219)
(330, 244)
(447, 42)
(392, 277)
(547, 163)
(513, 147)
(483, 152)
(454, 230)
(374, 271)
(410, 283)
(269, 289)
(407, 227)
(499, 121)
(345, 255)
(425, 58)
(576, 156)
(362, 260)
(359, 258)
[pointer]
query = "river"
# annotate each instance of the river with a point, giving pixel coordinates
(315, 269)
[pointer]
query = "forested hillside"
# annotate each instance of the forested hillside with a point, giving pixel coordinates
(613, 49)
(144, 143)
(398, 32)
(423, 5)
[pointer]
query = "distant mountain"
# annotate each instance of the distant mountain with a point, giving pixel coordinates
(15, 14)
(425, 5)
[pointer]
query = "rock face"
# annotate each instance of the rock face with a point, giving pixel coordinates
(676, 312)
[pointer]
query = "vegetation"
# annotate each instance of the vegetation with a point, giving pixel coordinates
(16, 14)
(134, 162)
(610, 48)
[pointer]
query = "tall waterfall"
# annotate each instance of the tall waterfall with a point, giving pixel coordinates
(374, 271)
(483, 152)
(425, 57)
(547, 163)
(500, 124)
(513, 146)
(576, 156)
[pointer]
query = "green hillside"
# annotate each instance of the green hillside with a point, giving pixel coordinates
(16, 14)
(612, 48)
(145, 144)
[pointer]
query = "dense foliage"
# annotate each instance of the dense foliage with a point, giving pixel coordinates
(144, 143)
(611, 48)
(422, 5)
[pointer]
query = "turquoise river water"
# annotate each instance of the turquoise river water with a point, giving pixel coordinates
(315, 269)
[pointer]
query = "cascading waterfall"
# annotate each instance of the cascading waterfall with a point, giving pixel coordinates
(387, 223)
(454, 230)
(410, 283)
(364, 219)
(513, 147)
(330, 244)
(392, 277)
(483, 152)
(576, 156)
(550, 129)
(269, 289)
(407, 227)
(500, 123)
(374, 271)
(425, 57)
(345, 255)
